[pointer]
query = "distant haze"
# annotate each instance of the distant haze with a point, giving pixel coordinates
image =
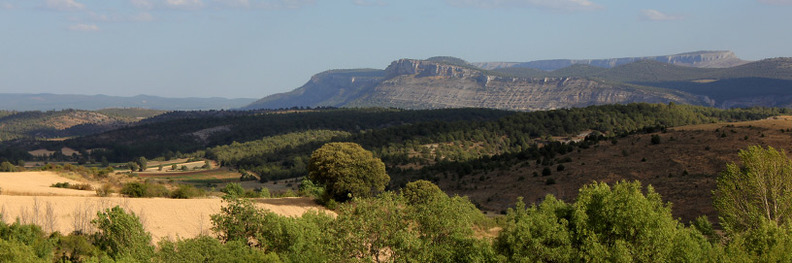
(45, 102)
(250, 49)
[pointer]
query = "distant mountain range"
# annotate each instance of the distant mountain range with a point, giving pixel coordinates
(700, 59)
(46, 101)
(710, 78)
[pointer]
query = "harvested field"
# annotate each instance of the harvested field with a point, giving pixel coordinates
(38, 184)
(27, 196)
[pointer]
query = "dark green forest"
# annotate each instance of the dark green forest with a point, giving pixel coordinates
(275, 144)
(415, 221)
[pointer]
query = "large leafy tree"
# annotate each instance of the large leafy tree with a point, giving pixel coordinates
(759, 190)
(347, 170)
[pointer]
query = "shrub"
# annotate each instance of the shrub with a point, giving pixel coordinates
(309, 189)
(546, 171)
(186, 191)
(137, 189)
(67, 185)
(122, 235)
(134, 189)
(233, 190)
(655, 139)
(7, 167)
(105, 190)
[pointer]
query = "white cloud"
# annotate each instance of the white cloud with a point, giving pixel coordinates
(369, 2)
(568, 5)
(63, 5)
(184, 4)
(654, 15)
(84, 27)
(776, 2)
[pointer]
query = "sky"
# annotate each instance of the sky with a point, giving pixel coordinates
(254, 48)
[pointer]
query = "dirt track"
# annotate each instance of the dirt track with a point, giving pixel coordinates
(28, 197)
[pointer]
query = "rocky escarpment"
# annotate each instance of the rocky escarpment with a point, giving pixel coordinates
(702, 59)
(445, 82)
(424, 84)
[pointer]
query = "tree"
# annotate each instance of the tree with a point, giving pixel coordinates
(142, 163)
(759, 190)
(133, 166)
(347, 170)
(421, 192)
(122, 235)
(7, 167)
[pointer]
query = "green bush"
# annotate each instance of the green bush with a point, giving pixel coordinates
(186, 191)
(121, 235)
(134, 189)
(208, 249)
(146, 189)
(14, 251)
(76, 248)
(233, 190)
(7, 167)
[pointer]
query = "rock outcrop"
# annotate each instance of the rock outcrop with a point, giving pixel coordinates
(423, 84)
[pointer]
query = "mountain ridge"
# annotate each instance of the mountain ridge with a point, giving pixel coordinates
(448, 82)
(700, 59)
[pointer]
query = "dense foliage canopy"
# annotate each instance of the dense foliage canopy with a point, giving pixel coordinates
(347, 170)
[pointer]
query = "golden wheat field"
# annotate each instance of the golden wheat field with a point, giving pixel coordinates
(28, 197)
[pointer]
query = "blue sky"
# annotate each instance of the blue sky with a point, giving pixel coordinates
(253, 48)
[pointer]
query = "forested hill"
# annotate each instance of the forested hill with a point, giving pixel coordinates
(66, 123)
(276, 144)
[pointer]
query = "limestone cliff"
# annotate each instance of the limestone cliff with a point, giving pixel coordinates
(424, 84)
(445, 82)
(421, 84)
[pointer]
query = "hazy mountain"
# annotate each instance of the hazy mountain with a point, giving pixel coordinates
(700, 59)
(67, 123)
(446, 82)
(46, 101)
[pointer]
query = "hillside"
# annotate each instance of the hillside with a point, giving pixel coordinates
(67, 123)
(682, 167)
(45, 102)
